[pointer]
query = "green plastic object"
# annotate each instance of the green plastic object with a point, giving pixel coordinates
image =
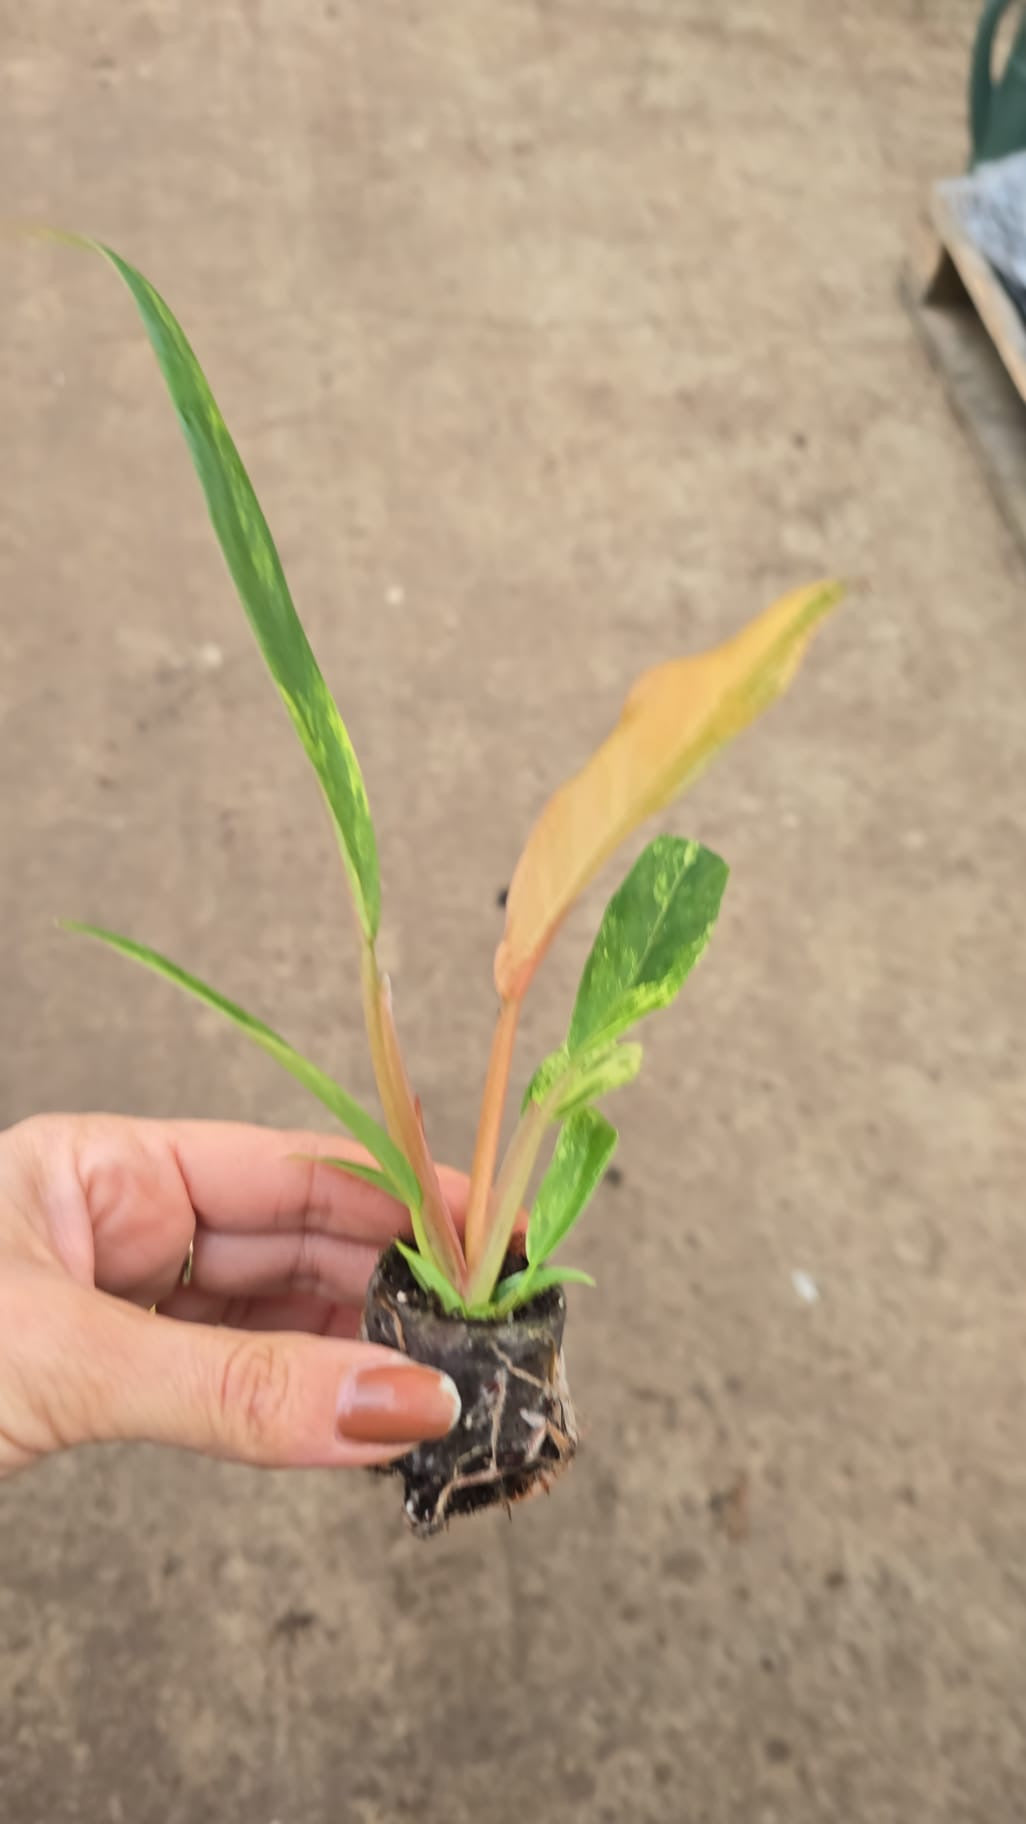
(997, 103)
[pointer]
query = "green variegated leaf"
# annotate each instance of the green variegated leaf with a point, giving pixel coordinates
(430, 1278)
(520, 1287)
(571, 1082)
(353, 1168)
(251, 556)
(551, 1071)
(585, 1146)
(653, 931)
(362, 1126)
(597, 1074)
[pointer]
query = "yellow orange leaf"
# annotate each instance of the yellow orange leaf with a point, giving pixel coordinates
(674, 720)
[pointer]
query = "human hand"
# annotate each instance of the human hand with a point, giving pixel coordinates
(255, 1359)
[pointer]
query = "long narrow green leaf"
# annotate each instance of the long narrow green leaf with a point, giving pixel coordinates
(383, 1183)
(353, 1168)
(585, 1146)
(362, 1126)
(429, 1276)
(251, 556)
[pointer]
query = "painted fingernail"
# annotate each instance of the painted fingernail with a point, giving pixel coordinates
(386, 1405)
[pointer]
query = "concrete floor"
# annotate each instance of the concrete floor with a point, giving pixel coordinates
(558, 337)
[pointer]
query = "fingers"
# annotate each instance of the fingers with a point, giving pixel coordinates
(301, 1311)
(270, 1399)
(249, 1178)
(286, 1261)
(111, 1200)
(125, 1198)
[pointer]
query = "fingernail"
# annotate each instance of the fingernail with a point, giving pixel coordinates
(386, 1405)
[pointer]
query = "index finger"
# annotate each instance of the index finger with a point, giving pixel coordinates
(248, 1179)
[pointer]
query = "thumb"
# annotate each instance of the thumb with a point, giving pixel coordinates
(280, 1400)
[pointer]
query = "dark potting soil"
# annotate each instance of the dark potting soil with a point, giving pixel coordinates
(517, 1429)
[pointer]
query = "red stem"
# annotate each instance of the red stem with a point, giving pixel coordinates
(489, 1125)
(404, 1123)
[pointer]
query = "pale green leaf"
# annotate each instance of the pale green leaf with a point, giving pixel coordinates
(520, 1288)
(430, 1278)
(567, 1082)
(552, 1071)
(381, 1181)
(362, 1126)
(598, 1073)
(585, 1146)
(653, 932)
(251, 556)
(354, 1168)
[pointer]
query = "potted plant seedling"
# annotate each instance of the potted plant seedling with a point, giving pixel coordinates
(488, 1304)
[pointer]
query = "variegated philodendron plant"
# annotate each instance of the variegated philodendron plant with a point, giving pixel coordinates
(654, 929)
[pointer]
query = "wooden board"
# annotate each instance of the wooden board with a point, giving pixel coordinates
(977, 340)
(1000, 318)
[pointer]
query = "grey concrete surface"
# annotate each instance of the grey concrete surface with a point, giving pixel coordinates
(559, 337)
